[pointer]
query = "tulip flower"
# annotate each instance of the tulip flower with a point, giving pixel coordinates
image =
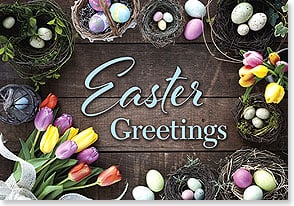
(88, 156)
(66, 149)
(260, 71)
(246, 83)
(285, 69)
(109, 176)
(50, 101)
(274, 58)
(274, 93)
(49, 139)
(79, 172)
(72, 132)
(43, 118)
(63, 122)
(85, 138)
(252, 58)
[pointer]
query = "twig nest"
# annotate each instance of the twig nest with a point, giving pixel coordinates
(261, 174)
(161, 22)
(104, 20)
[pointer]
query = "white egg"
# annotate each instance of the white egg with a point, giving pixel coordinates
(45, 33)
(168, 17)
(241, 13)
(257, 123)
(262, 113)
(194, 184)
(142, 193)
(243, 29)
(154, 180)
(195, 8)
(37, 42)
(162, 25)
(257, 21)
(249, 113)
(8, 22)
(253, 192)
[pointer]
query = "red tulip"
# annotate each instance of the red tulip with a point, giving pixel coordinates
(79, 172)
(109, 176)
(50, 101)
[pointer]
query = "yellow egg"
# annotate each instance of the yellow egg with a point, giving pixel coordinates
(154, 180)
(265, 180)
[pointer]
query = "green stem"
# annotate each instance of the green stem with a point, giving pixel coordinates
(272, 72)
(32, 151)
(81, 187)
(45, 165)
(63, 181)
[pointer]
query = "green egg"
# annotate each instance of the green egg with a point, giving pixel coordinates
(154, 180)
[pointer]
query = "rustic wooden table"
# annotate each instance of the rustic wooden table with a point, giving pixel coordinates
(218, 82)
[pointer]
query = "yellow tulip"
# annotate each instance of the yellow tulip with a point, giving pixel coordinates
(85, 138)
(247, 82)
(245, 73)
(72, 132)
(274, 93)
(260, 71)
(274, 58)
(49, 139)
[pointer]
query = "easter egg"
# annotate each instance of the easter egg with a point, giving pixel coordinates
(120, 13)
(162, 25)
(242, 178)
(243, 29)
(242, 13)
(168, 17)
(157, 16)
(96, 5)
(45, 33)
(37, 42)
(257, 123)
(199, 194)
(249, 113)
(187, 195)
(21, 103)
(262, 113)
(253, 192)
(195, 8)
(8, 22)
(142, 193)
(154, 180)
(194, 184)
(98, 23)
(264, 179)
(193, 29)
(257, 21)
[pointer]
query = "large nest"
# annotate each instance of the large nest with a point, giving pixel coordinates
(252, 160)
(177, 181)
(149, 29)
(82, 12)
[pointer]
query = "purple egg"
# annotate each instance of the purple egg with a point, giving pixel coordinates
(98, 23)
(242, 178)
(157, 16)
(193, 29)
(96, 6)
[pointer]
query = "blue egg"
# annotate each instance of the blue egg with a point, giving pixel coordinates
(199, 194)
(21, 103)
(120, 13)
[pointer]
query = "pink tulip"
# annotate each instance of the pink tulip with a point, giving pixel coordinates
(63, 123)
(43, 118)
(88, 156)
(66, 149)
(252, 58)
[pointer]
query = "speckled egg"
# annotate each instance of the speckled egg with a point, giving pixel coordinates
(187, 195)
(142, 193)
(199, 194)
(8, 22)
(253, 192)
(193, 29)
(257, 21)
(96, 6)
(243, 29)
(21, 103)
(98, 23)
(262, 113)
(120, 13)
(241, 13)
(45, 33)
(168, 17)
(195, 8)
(37, 42)
(257, 123)
(157, 16)
(249, 113)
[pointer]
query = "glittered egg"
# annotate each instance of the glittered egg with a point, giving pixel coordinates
(262, 113)
(96, 5)
(193, 29)
(37, 42)
(162, 25)
(257, 123)
(45, 33)
(242, 13)
(242, 178)
(243, 29)
(157, 16)
(253, 192)
(120, 13)
(195, 8)
(98, 23)
(187, 195)
(199, 194)
(194, 184)
(154, 180)
(168, 17)
(21, 103)
(265, 180)
(8, 22)
(257, 21)
(142, 193)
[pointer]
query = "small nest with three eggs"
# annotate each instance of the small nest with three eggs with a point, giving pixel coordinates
(177, 181)
(252, 159)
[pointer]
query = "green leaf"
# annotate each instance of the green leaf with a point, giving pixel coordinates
(45, 183)
(60, 23)
(54, 194)
(280, 30)
(33, 22)
(51, 22)
(40, 178)
(58, 29)
(279, 69)
(285, 8)
(25, 149)
(48, 190)
(3, 39)
(2, 51)
(5, 57)
(269, 50)
(61, 165)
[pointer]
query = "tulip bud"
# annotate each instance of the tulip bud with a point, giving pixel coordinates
(245, 73)
(285, 69)
(43, 118)
(88, 156)
(109, 176)
(49, 139)
(79, 172)
(72, 132)
(274, 58)
(66, 149)
(252, 58)
(85, 138)
(260, 71)
(63, 123)
(50, 101)
(274, 93)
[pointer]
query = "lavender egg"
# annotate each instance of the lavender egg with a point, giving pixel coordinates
(187, 195)
(157, 16)
(96, 6)
(193, 29)
(98, 23)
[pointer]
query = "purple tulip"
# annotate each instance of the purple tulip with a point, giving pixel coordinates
(252, 58)
(66, 149)
(88, 156)
(63, 123)
(284, 63)
(43, 118)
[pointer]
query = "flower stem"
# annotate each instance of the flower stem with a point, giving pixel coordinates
(81, 187)
(63, 181)
(47, 163)
(32, 151)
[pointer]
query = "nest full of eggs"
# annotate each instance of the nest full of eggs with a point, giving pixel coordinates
(150, 29)
(258, 121)
(177, 182)
(113, 19)
(269, 166)
(228, 38)
(39, 42)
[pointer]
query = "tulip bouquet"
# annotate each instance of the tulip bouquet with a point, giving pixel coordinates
(62, 157)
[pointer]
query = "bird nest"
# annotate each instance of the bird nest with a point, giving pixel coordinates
(149, 29)
(177, 181)
(224, 35)
(81, 12)
(252, 159)
(44, 62)
(272, 127)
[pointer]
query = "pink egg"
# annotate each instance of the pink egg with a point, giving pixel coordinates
(96, 6)
(187, 195)
(157, 16)
(193, 29)
(242, 178)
